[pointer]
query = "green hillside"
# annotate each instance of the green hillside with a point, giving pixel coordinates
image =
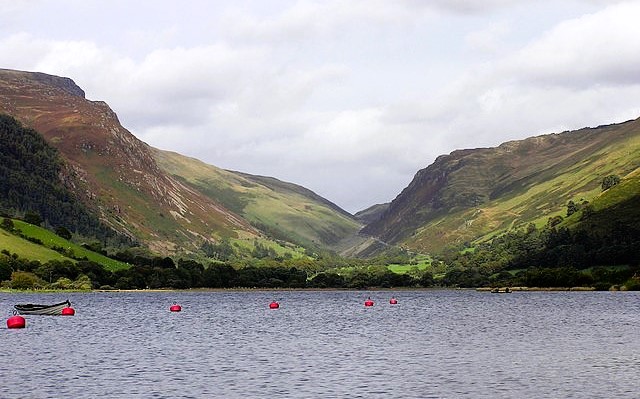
(52, 241)
(619, 204)
(473, 195)
(597, 245)
(283, 210)
(28, 250)
(36, 243)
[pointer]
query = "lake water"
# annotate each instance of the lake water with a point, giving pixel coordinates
(432, 344)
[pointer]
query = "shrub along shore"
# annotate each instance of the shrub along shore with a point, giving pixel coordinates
(614, 288)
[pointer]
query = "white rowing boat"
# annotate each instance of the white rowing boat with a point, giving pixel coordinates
(50, 310)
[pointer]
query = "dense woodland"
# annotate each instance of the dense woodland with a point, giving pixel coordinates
(31, 184)
(549, 257)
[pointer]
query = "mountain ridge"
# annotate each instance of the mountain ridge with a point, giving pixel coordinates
(125, 182)
(174, 203)
(115, 173)
(444, 200)
(286, 210)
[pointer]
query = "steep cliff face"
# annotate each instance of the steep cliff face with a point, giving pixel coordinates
(111, 170)
(372, 213)
(25, 80)
(514, 183)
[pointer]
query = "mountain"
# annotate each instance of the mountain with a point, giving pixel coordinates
(115, 174)
(124, 181)
(474, 194)
(372, 213)
(30, 184)
(286, 211)
(176, 204)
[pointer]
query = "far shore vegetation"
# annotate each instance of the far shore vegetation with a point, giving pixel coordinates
(511, 260)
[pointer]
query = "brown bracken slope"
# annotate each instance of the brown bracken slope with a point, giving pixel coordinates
(113, 172)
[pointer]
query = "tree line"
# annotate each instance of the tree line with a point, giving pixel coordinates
(159, 272)
(551, 256)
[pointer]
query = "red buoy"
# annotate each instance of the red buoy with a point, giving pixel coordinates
(274, 305)
(393, 301)
(175, 308)
(368, 302)
(16, 322)
(68, 311)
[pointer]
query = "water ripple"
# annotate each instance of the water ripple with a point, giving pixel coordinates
(433, 344)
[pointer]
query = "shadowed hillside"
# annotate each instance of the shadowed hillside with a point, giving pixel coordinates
(372, 213)
(31, 183)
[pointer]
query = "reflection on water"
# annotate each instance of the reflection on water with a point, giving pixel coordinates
(432, 344)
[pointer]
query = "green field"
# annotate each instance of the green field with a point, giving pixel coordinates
(28, 250)
(420, 262)
(248, 244)
(45, 252)
(402, 269)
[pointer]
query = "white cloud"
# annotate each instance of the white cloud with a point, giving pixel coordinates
(490, 39)
(21, 51)
(581, 72)
(595, 49)
(471, 6)
(310, 20)
(351, 98)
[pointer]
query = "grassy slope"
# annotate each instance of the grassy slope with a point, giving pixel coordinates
(290, 210)
(621, 202)
(44, 252)
(534, 202)
(421, 262)
(28, 250)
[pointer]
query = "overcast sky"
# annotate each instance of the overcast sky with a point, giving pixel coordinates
(348, 98)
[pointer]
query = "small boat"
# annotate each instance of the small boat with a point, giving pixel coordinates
(505, 290)
(51, 310)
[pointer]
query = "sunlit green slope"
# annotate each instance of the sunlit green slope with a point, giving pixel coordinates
(474, 194)
(282, 210)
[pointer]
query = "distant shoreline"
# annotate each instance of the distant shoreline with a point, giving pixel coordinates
(195, 290)
(531, 289)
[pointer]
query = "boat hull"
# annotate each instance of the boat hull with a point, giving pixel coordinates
(45, 310)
